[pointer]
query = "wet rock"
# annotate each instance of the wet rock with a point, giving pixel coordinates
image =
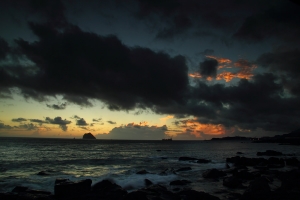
(180, 182)
(244, 174)
(43, 173)
(153, 192)
(148, 182)
(275, 162)
(269, 153)
(186, 158)
(167, 171)
(232, 182)
(290, 180)
(107, 189)
(195, 195)
(142, 172)
(243, 161)
(292, 161)
(67, 188)
(158, 150)
(183, 169)
(213, 173)
(239, 152)
(203, 161)
(227, 166)
(258, 189)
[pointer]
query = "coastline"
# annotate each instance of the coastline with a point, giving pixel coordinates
(269, 175)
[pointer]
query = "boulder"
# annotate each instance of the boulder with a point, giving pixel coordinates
(108, 190)
(67, 189)
(257, 189)
(232, 182)
(180, 182)
(213, 173)
(88, 136)
(142, 172)
(292, 161)
(186, 158)
(203, 160)
(244, 174)
(183, 169)
(148, 182)
(193, 195)
(269, 153)
(275, 162)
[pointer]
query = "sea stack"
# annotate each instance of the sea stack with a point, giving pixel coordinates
(88, 136)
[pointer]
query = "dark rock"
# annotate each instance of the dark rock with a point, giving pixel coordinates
(227, 166)
(195, 195)
(290, 180)
(213, 173)
(43, 173)
(232, 182)
(67, 188)
(183, 169)
(275, 162)
(292, 161)
(142, 172)
(239, 152)
(180, 182)
(244, 174)
(203, 161)
(163, 158)
(108, 190)
(186, 158)
(158, 150)
(269, 153)
(258, 189)
(148, 182)
(19, 189)
(176, 189)
(167, 172)
(154, 192)
(243, 161)
(88, 136)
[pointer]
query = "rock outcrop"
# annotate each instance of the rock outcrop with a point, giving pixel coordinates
(88, 136)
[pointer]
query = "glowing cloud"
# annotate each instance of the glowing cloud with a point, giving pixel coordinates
(167, 117)
(220, 60)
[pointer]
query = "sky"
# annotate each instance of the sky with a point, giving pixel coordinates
(149, 69)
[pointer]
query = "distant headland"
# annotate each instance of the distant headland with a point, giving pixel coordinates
(88, 136)
(289, 138)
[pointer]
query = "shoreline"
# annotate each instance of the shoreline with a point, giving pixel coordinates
(269, 175)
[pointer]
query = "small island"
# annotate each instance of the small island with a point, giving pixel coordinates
(88, 136)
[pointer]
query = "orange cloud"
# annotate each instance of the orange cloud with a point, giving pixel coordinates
(220, 60)
(167, 117)
(196, 128)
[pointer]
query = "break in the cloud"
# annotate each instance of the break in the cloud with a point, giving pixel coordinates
(133, 131)
(20, 119)
(57, 106)
(58, 120)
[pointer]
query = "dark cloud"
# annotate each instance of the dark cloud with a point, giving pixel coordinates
(111, 122)
(28, 126)
(280, 20)
(82, 66)
(131, 132)
(76, 117)
(285, 63)
(208, 68)
(57, 107)
(3, 126)
(4, 48)
(38, 121)
(97, 120)
(58, 120)
(20, 119)
(81, 122)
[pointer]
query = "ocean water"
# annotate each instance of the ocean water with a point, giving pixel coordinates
(118, 160)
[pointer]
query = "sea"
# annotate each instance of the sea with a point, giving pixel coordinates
(21, 159)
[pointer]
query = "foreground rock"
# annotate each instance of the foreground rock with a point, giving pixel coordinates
(67, 188)
(269, 153)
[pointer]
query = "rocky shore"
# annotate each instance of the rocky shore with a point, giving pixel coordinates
(275, 176)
